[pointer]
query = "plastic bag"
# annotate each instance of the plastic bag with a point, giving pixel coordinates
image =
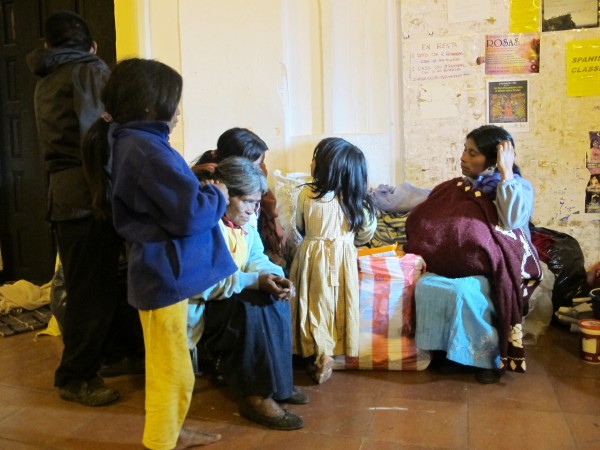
(564, 257)
(286, 190)
(387, 315)
(541, 309)
(58, 296)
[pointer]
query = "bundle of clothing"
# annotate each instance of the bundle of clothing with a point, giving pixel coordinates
(393, 204)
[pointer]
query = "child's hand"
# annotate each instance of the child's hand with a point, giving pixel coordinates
(220, 186)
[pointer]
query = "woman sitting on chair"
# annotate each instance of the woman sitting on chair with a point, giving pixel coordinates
(244, 321)
(473, 234)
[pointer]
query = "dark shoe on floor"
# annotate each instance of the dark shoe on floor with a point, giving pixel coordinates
(89, 393)
(217, 379)
(447, 366)
(289, 421)
(126, 366)
(298, 397)
(488, 376)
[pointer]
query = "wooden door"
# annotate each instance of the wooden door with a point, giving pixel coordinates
(26, 243)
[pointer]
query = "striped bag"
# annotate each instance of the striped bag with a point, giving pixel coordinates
(387, 315)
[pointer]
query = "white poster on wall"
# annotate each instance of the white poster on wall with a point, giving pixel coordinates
(437, 59)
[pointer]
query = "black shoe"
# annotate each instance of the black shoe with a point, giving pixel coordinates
(217, 380)
(289, 421)
(488, 376)
(89, 393)
(126, 366)
(447, 367)
(298, 397)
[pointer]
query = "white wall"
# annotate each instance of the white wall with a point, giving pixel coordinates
(295, 71)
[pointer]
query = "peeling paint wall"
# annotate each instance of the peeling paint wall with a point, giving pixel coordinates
(551, 155)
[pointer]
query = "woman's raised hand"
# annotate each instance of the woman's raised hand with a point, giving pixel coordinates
(505, 160)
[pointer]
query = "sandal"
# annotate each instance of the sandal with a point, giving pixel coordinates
(324, 369)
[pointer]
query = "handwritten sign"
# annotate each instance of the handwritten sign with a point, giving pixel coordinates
(437, 59)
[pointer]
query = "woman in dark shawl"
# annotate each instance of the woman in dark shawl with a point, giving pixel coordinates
(473, 233)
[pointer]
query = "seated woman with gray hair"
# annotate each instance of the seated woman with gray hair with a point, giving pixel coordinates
(244, 320)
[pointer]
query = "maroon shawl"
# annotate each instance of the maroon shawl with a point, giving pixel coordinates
(456, 232)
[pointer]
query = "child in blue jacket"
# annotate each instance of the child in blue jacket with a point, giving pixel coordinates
(170, 222)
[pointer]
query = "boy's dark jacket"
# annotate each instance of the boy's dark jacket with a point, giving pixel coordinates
(67, 102)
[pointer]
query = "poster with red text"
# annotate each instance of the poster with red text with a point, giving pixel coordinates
(517, 53)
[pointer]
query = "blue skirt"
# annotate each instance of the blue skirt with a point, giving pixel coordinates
(456, 315)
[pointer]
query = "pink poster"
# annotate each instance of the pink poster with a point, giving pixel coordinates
(517, 53)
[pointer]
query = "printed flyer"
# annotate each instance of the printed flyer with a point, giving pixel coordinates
(508, 104)
(512, 53)
(592, 162)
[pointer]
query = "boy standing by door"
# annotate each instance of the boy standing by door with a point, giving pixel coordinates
(67, 101)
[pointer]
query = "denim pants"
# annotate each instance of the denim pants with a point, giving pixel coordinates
(249, 335)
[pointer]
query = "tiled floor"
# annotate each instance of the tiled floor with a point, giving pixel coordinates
(555, 405)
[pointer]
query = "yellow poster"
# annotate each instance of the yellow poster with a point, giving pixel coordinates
(583, 68)
(524, 16)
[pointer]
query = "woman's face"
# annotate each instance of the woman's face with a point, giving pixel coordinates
(241, 208)
(173, 122)
(260, 160)
(472, 161)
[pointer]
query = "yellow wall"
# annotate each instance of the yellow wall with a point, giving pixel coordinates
(126, 24)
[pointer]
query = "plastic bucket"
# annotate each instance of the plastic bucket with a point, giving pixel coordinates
(590, 340)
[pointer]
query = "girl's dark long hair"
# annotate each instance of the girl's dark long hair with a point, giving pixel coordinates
(137, 90)
(240, 142)
(341, 167)
(487, 138)
(234, 142)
